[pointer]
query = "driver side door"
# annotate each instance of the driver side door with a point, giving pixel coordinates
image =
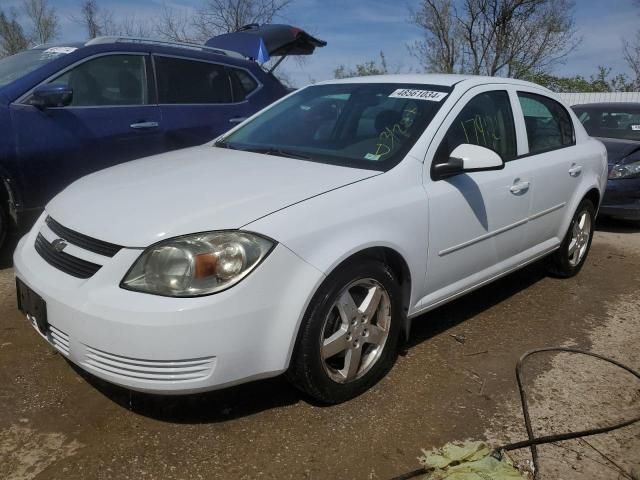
(476, 219)
(111, 119)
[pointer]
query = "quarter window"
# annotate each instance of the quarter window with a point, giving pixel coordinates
(486, 121)
(243, 84)
(107, 81)
(182, 81)
(548, 124)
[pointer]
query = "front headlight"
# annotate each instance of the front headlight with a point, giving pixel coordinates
(198, 264)
(625, 170)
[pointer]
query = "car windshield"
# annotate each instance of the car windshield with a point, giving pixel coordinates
(362, 125)
(620, 122)
(18, 65)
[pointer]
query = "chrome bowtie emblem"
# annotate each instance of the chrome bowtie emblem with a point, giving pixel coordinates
(59, 244)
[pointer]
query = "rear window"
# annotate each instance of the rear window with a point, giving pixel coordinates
(617, 121)
(182, 81)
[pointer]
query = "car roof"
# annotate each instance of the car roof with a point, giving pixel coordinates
(609, 105)
(443, 79)
(122, 41)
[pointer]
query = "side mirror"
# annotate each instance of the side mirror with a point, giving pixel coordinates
(52, 95)
(468, 158)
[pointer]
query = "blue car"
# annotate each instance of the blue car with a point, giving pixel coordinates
(71, 109)
(617, 125)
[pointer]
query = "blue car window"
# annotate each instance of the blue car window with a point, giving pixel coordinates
(108, 80)
(243, 83)
(182, 81)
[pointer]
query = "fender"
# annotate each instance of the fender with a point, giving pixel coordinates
(595, 180)
(370, 214)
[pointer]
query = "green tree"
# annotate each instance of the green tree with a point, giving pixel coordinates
(363, 69)
(602, 81)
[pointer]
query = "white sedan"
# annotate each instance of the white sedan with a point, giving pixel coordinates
(307, 238)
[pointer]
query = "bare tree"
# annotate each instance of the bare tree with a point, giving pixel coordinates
(631, 53)
(45, 25)
(91, 18)
(99, 21)
(174, 25)
(12, 37)
(440, 51)
(495, 37)
(215, 17)
(224, 16)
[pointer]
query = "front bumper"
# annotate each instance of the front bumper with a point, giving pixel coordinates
(170, 345)
(622, 199)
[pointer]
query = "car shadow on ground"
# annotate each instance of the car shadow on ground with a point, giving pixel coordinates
(468, 306)
(209, 407)
(251, 398)
(6, 251)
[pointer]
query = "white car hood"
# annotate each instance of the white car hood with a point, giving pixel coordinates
(198, 189)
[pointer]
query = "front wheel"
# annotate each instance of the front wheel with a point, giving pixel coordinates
(568, 260)
(349, 335)
(4, 226)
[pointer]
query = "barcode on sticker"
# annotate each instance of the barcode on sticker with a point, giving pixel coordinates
(429, 95)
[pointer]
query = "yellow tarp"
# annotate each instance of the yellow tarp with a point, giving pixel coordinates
(467, 461)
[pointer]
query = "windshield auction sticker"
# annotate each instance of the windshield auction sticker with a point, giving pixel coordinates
(428, 95)
(53, 52)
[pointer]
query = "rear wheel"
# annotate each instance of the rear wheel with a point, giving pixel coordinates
(349, 336)
(568, 260)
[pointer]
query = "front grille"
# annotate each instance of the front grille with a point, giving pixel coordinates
(59, 339)
(63, 261)
(83, 241)
(153, 370)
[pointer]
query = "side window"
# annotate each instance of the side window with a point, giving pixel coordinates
(107, 81)
(243, 83)
(486, 121)
(182, 81)
(549, 125)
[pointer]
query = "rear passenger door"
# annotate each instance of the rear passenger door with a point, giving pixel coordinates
(199, 99)
(554, 162)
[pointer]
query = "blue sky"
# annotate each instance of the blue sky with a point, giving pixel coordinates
(356, 31)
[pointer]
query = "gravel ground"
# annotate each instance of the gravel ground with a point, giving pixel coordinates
(57, 422)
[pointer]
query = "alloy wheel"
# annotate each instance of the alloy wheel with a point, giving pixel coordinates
(355, 330)
(580, 235)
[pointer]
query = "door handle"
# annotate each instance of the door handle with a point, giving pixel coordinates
(237, 120)
(575, 170)
(519, 188)
(143, 125)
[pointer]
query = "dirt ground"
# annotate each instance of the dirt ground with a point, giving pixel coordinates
(57, 422)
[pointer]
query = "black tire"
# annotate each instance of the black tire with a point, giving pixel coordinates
(308, 371)
(560, 262)
(4, 226)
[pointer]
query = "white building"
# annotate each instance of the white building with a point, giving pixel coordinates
(600, 97)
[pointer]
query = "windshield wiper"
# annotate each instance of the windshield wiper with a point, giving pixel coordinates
(222, 144)
(264, 150)
(278, 152)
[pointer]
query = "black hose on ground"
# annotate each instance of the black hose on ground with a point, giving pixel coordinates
(532, 442)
